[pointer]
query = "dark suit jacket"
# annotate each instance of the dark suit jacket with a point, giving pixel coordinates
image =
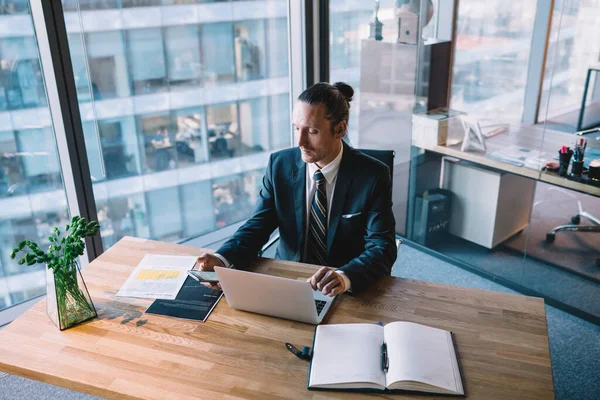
(361, 233)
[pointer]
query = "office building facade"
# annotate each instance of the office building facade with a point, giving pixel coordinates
(181, 103)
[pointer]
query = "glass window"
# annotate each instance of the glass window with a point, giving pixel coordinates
(122, 216)
(11, 171)
(281, 127)
(230, 199)
(32, 196)
(573, 47)
(218, 53)
(162, 106)
(254, 125)
(14, 7)
(21, 73)
(84, 5)
(253, 184)
(165, 2)
(164, 207)
(147, 60)
(190, 137)
(93, 151)
(119, 148)
(37, 227)
(3, 86)
(198, 209)
(277, 44)
(140, 3)
(493, 41)
(107, 65)
(82, 81)
(249, 50)
(39, 159)
(223, 131)
(14, 230)
(158, 142)
(183, 55)
(347, 28)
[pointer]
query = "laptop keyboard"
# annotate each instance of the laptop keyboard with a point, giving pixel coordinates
(320, 304)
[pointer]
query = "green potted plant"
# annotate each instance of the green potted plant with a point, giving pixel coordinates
(67, 299)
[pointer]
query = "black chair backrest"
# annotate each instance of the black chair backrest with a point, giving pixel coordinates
(385, 156)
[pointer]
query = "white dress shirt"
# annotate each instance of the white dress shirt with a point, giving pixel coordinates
(330, 172)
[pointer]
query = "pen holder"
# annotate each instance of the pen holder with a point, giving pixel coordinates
(564, 159)
(577, 168)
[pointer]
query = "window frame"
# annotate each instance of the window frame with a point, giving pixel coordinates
(57, 71)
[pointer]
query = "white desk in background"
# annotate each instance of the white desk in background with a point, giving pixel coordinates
(491, 200)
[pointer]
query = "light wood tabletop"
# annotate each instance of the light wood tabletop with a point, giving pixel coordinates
(502, 339)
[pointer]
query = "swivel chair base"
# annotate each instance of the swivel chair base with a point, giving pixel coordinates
(574, 226)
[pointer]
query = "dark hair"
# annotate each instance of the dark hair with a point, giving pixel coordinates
(336, 98)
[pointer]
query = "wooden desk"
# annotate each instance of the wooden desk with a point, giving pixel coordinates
(502, 339)
(533, 138)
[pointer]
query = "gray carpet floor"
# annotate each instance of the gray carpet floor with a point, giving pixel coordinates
(528, 272)
(574, 343)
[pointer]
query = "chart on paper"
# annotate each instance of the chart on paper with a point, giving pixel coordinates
(157, 274)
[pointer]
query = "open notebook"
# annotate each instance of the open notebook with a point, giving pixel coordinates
(399, 356)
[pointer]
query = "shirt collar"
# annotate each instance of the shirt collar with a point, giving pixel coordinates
(330, 170)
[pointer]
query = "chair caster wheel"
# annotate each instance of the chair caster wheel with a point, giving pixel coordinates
(550, 237)
(576, 220)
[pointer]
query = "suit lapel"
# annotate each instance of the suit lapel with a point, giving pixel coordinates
(299, 188)
(342, 184)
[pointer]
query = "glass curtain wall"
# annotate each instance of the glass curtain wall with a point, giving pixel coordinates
(493, 43)
(573, 48)
(32, 195)
(383, 77)
(182, 102)
(566, 255)
(482, 192)
(470, 177)
(348, 28)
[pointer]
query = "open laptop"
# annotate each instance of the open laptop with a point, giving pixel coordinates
(273, 295)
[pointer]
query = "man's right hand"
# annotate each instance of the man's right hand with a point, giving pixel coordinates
(208, 262)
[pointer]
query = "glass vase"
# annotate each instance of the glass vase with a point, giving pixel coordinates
(68, 302)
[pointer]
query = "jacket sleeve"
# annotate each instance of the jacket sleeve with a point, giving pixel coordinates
(245, 244)
(380, 239)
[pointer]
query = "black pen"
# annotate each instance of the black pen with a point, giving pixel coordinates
(384, 357)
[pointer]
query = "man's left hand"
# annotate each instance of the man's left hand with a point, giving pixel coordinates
(329, 282)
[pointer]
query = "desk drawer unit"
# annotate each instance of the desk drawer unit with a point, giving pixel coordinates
(488, 206)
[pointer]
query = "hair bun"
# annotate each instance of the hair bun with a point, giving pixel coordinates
(345, 89)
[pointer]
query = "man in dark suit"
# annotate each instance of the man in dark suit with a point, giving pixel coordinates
(331, 203)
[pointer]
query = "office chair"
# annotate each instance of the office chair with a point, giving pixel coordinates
(385, 156)
(575, 227)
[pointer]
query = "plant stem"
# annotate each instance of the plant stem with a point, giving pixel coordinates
(73, 306)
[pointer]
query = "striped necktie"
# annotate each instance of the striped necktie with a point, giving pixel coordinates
(317, 229)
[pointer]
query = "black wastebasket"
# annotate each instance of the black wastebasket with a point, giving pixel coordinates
(432, 216)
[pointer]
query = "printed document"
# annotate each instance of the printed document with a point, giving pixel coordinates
(158, 277)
